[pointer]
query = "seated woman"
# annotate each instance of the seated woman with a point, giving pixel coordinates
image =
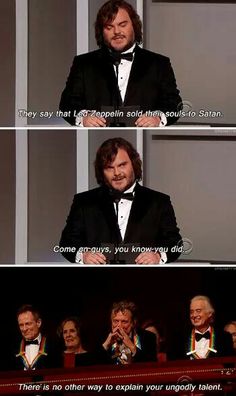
(151, 325)
(74, 353)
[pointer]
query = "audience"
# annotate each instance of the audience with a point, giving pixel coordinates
(230, 327)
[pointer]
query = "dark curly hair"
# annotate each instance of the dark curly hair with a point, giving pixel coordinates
(107, 13)
(107, 153)
(123, 306)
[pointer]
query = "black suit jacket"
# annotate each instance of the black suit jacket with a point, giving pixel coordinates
(181, 346)
(92, 84)
(92, 222)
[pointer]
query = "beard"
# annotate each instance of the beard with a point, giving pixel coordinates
(126, 47)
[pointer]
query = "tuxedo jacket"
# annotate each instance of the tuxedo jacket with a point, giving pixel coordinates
(223, 346)
(47, 357)
(92, 84)
(92, 222)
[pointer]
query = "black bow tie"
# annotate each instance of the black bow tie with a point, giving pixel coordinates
(31, 342)
(117, 56)
(117, 195)
(199, 336)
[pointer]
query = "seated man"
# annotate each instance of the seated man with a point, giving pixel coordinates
(204, 340)
(35, 351)
(120, 77)
(126, 343)
(121, 221)
(230, 328)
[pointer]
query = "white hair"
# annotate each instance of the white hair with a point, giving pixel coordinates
(209, 306)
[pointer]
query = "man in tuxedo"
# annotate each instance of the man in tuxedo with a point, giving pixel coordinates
(120, 222)
(120, 78)
(126, 343)
(34, 352)
(204, 340)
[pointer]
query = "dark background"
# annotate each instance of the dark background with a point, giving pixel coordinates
(162, 294)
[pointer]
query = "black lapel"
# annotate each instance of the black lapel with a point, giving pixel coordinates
(107, 71)
(138, 209)
(107, 207)
(136, 73)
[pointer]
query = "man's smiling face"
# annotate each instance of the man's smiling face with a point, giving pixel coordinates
(200, 315)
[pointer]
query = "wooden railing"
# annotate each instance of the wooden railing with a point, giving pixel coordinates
(190, 377)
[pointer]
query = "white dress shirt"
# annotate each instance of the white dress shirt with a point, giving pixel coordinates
(124, 207)
(31, 351)
(124, 69)
(202, 345)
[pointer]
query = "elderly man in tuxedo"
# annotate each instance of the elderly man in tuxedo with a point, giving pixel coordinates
(35, 351)
(126, 343)
(121, 221)
(204, 340)
(120, 75)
